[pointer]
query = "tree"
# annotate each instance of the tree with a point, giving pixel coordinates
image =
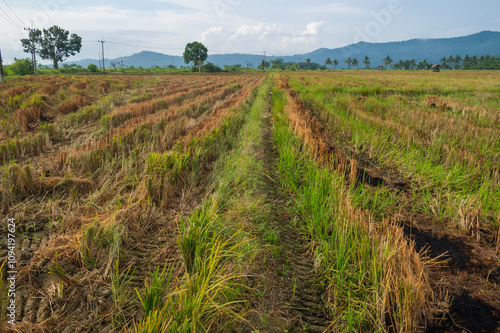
(335, 63)
(264, 64)
(22, 67)
(444, 61)
(367, 62)
(308, 62)
(211, 68)
(424, 65)
(195, 52)
(278, 64)
(387, 61)
(451, 60)
(93, 68)
(413, 64)
(53, 44)
(457, 60)
(328, 61)
(348, 61)
(355, 62)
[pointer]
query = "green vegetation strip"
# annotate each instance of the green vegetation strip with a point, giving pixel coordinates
(374, 279)
(449, 189)
(214, 240)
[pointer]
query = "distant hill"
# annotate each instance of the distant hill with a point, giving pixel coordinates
(432, 50)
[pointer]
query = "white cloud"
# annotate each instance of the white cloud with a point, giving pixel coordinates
(205, 35)
(258, 30)
(273, 37)
(313, 28)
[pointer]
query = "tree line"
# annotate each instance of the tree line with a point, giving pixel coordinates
(56, 44)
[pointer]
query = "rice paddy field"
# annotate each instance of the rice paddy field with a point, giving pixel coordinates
(341, 201)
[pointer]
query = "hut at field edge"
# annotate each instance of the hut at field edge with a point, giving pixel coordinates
(436, 68)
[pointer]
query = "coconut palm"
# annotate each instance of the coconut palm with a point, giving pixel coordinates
(444, 61)
(457, 60)
(355, 62)
(308, 61)
(387, 61)
(328, 61)
(367, 62)
(335, 63)
(348, 61)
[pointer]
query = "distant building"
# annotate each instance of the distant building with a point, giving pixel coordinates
(436, 67)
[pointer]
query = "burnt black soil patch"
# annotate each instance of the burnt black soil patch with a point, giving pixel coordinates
(468, 313)
(437, 246)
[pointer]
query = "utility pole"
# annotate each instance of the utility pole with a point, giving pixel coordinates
(103, 66)
(2, 80)
(265, 61)
(33, 54)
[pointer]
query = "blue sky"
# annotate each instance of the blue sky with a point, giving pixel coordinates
(241, 26)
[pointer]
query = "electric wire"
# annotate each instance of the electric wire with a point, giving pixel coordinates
(13, 12)
(8, 19)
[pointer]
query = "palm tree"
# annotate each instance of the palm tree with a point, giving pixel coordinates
(457, 60)
(387, 61)
(348, 61)
(328, 61)
(355, 62)
(413, 64)
(308, 61)
(367, 62)
(443, 62)
(451, 60)
(335, 63)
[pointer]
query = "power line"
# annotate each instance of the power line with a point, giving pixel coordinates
(22, 22)
(11, 21)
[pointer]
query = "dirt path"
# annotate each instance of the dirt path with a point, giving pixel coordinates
(293, 301)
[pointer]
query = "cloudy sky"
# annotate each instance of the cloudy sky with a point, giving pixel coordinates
(241, 26)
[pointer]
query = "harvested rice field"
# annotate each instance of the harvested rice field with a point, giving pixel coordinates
(341, 201)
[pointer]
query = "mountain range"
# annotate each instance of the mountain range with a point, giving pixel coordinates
(432, 50)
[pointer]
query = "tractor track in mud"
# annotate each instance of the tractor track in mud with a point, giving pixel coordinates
(297, 304)
(468, 277)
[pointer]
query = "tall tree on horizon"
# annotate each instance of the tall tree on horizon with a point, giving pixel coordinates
(348, 61)
(335, 63)
(457, 60)
(308, 62)
(444, 61)
(195, 52)
(412, 64)
(355, 62)
(328, 61)
(53, 43)
(367, 62)
(387, 61)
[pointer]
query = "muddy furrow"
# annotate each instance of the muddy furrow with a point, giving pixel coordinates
(297, 304)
